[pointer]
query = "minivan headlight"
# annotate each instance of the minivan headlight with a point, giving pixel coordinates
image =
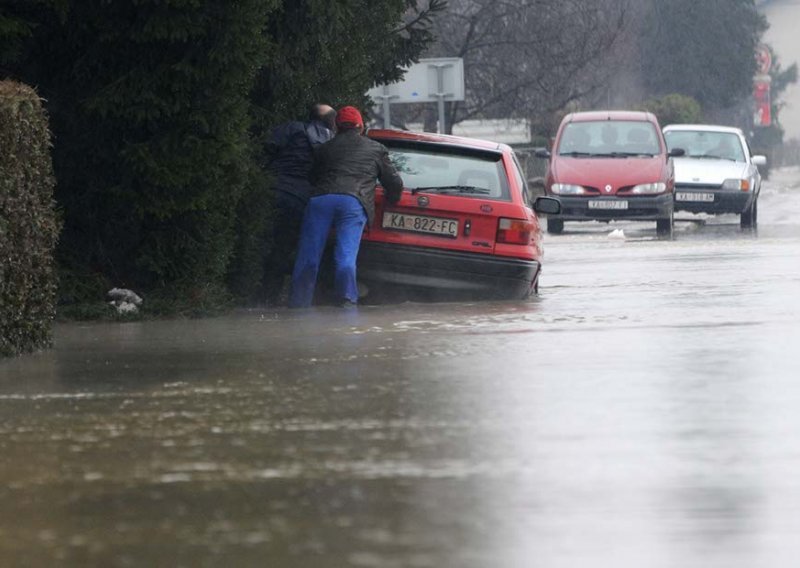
(567, 189)
(647, 188)
(736, 184)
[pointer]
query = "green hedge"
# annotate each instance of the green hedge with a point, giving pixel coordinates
(674, 109)
(28, 223)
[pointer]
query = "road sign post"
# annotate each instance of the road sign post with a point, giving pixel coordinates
(441, 94)
(385, 99)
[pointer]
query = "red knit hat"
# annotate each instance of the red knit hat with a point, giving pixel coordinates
(349, 116)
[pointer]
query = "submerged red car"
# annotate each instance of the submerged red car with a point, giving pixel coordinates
(611, 165)
(465, 226)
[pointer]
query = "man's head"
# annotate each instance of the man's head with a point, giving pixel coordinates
(348, 118)
(325, 114)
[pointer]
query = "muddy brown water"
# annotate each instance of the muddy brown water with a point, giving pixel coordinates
(643, 411)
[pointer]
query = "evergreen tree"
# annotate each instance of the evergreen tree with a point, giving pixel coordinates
(157, 123)
(150, 106)
(335, 51)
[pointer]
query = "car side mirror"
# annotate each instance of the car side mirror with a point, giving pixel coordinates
(759, 160)
(542, 153)
(547, 205)
(676, 153)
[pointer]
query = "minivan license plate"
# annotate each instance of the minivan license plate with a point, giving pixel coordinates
(608, 204)
(686, 196)
(420, 224)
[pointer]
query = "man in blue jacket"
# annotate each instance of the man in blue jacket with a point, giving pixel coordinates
(291, 151)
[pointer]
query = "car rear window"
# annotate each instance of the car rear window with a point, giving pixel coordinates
(704, 144)
(609, 137)
(453, 171)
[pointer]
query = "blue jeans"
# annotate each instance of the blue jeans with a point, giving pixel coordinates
(347, 216)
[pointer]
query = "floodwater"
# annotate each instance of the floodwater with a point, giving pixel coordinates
(644, 411)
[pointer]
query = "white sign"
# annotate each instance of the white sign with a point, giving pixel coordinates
(500, 130)
(421, 84)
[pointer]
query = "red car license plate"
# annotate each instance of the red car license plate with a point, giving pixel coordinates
(608, 204)
(420, 224)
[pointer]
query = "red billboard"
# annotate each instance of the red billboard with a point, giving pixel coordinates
(762, 112)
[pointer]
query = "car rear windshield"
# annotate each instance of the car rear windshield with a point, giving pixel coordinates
(450, 170)
(609, 138)
(705, 144)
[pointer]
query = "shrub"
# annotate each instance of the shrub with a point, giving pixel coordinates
(28, 223)
(674, 109)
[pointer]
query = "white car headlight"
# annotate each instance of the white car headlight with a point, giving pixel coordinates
(567, 189)
(659, 187)
(736, 184)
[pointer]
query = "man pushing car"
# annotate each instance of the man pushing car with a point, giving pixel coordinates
(343, 174)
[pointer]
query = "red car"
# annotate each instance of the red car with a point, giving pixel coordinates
(465, 226)
(611, 165)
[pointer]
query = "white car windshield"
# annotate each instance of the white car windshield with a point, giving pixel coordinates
(707, 144)
(617, 138)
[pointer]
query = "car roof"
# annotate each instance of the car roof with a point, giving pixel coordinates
(704, 128)
(598, 115)
(433, 138)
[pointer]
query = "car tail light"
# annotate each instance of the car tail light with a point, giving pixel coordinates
(514, 231)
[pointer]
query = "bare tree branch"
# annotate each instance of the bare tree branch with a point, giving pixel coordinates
(528, 58)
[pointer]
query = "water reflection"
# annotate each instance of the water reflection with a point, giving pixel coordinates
(641, 412)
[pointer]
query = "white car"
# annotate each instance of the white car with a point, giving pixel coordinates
(718, 173)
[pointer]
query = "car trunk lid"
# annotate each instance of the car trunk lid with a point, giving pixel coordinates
(432, 220)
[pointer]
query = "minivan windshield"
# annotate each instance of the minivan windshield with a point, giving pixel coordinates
(450, 172)
(615, 138)
(705, 144)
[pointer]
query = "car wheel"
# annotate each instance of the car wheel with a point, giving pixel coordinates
(749, 217)
(555, 226)
(664, 227)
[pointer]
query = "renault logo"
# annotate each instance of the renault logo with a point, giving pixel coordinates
(608, 189)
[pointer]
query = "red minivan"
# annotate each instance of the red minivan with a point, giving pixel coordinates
(611, 165)
(465, 225)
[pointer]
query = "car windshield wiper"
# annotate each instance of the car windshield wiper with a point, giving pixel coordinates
(576, 154)
(623, 154)
(458, 188)
(642, 154)
(709, 157)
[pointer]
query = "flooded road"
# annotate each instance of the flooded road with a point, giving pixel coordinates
(643, 411)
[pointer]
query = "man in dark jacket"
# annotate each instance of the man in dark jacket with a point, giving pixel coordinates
(343, 174)
(291, 153)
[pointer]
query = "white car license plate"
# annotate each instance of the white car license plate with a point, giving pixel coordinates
(608, 204)
(420, 224)
(686, 196)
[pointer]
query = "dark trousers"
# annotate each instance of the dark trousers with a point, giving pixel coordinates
(287, 218)
(346, 215)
